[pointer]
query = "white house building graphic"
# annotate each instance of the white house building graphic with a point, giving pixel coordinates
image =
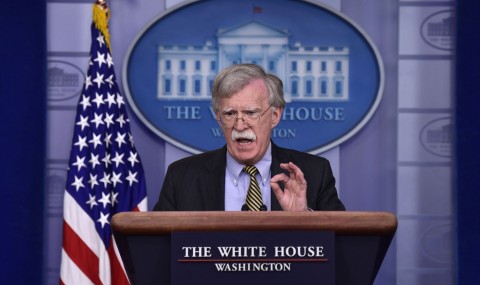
(309, 73)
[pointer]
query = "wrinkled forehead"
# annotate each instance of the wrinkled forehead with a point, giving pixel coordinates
(255, 93)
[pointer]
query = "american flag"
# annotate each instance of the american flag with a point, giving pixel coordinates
(105, 175)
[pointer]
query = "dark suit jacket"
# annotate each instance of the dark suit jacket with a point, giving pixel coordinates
(197, 183)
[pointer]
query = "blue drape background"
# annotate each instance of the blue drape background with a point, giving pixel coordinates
(467, 102)
(23, 132)
(22, 139)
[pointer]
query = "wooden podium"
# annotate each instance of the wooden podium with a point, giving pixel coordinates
(361, 238)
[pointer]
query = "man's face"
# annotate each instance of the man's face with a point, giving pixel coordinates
(247, 143)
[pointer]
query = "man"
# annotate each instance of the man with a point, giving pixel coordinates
(250, 172)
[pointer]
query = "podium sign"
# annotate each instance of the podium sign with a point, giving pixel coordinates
(361, 240)
(292, 257)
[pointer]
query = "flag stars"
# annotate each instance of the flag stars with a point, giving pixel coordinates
(100, 59)
(94, 160)
(97, 120)
(83, 122)
(81, 143)
(116, 179)
(109, 80)
(108, 120)
(78, 183)
(120, 139)
(120, 120)
(130, 138)
(96, 140)
(93, 181)
(107, 160)
(79, 163)
(101, 40)
(98, 100)
(110, 99)
(91, 201)
(109, 60)
(118, 159)
(133, 158)
(131, 178)
(88, 82)
(105, 180)
(85, 102)
(120, 100)
(108, 137)
(105, 200)
(103, 219)
(114, 199)
(99, 80)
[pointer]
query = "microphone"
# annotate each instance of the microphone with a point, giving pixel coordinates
(262, 208)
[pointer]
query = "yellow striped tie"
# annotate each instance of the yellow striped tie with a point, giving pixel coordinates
(254, 195)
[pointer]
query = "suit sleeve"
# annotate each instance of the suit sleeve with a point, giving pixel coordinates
(327, 198)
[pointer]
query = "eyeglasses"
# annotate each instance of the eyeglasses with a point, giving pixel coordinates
(249, 117)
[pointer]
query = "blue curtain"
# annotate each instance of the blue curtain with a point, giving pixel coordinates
(468, 140)
(22, 139)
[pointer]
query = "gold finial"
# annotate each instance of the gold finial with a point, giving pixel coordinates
(101, 15)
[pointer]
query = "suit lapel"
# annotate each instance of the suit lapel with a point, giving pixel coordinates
(215, 191)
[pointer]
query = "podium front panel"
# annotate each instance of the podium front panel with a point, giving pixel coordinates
(361, 238)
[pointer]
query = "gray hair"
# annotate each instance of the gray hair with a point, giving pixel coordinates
(234, 78)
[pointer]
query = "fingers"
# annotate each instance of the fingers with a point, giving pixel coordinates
(282, 177)
(293, 196)
(294, 171)
(276, 190)
(294, 181)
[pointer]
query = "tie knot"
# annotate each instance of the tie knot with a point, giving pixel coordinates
(251, 169)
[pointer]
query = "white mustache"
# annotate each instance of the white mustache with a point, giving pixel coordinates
(246, 134)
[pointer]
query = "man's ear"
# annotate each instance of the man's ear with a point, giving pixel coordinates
(217, 117)
(276, 116)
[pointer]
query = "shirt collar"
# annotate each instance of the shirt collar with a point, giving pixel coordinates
(235, 169)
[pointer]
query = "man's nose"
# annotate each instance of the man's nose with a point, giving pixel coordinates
(240, 123)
